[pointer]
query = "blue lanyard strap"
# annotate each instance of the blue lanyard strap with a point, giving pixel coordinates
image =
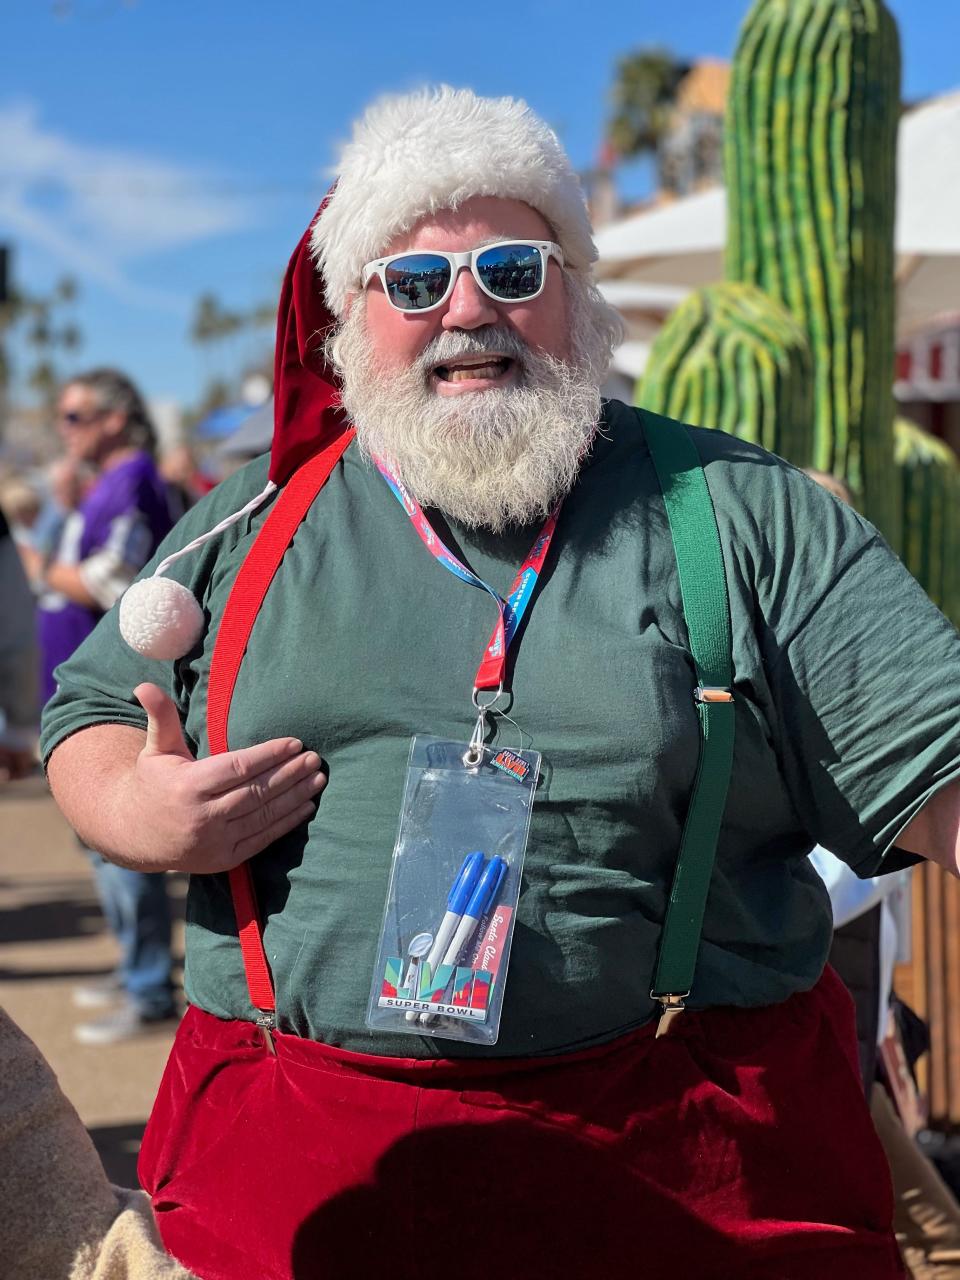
(492, 670)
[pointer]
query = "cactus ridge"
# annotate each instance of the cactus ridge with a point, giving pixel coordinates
(796, 351)
(810, 158)
(929, 475)
(729, 356)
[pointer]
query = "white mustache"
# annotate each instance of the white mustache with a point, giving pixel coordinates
(478, 342)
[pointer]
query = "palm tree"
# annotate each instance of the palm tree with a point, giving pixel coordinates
(36, 321)
(642, 101)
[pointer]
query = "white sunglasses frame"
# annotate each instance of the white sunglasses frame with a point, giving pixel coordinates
(468, 258)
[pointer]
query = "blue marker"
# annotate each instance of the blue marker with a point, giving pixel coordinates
(458, 899)
(481, 900)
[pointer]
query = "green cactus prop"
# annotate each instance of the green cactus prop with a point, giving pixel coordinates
(929, 474)
(810, 167)
(732, 358)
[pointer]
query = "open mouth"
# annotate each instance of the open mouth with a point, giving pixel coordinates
(482, 368)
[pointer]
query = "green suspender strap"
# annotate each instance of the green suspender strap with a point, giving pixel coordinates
(706, 608)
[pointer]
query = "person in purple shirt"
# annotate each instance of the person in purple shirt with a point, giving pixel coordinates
(106, 539)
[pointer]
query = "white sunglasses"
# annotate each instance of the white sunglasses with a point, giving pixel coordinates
(508, 271)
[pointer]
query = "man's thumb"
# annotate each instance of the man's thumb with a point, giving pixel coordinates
(164, 732)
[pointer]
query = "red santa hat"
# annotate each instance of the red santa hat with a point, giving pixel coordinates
(160, 617)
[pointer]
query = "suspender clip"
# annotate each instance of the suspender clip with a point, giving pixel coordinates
(712, 693)
(671, 1006)
(267, 1023)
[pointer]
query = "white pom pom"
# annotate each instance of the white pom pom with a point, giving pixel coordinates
(160, 618)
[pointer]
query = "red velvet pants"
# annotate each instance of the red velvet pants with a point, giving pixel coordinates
(737, 1146)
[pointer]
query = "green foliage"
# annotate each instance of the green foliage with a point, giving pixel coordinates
(810, 166)
(212, 321)
(36, 322)
(731, 357)
(929, 475)
(642, 100)
(215, 328)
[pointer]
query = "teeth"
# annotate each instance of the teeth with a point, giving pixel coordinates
(475, 371)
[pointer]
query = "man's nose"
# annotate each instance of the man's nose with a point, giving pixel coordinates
(468, 307)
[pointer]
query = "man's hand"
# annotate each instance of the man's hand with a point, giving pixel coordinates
(210, 815)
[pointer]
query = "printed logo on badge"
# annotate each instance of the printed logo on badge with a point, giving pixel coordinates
(515, 765)
(469, 998)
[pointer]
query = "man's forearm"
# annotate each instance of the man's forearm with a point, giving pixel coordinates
(67, 580)
(935, 832)
(90, 775)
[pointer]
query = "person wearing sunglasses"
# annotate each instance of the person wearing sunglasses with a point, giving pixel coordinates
(116, 509)
(441, 349)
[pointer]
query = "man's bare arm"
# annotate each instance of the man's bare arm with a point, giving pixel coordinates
(61, 577)
(935, 832)
(68, 580)
(142, 800)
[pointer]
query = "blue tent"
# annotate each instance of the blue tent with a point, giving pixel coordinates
(223, 422)
(252, 437)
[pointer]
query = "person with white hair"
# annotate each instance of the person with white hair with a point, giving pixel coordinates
(691, 643)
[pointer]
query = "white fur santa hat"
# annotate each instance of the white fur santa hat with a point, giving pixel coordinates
(418, 153)
(410, 156)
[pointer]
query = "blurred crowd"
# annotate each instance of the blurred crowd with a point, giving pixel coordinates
(74, 538)
(75, 534)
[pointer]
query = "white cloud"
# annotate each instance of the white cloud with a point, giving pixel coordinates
(97, 209)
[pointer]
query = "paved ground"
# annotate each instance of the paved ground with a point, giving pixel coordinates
(52, 936)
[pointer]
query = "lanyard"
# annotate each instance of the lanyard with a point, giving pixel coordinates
(493, 666)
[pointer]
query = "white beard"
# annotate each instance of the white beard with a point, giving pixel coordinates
(490, 458)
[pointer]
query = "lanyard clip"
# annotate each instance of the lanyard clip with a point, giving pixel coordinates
(671, 1006)
(474, 752)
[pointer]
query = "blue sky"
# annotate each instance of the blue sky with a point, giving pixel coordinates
(160, 149)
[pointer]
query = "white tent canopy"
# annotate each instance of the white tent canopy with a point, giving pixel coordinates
(928, 178)
(694, 227)
(681, 244)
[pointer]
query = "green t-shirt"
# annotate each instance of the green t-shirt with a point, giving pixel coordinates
(847, 684)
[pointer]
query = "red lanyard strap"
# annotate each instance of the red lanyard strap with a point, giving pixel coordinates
(246, 596)
(491, 674)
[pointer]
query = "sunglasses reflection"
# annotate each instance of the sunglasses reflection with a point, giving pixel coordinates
(508, 272)
(411, 285)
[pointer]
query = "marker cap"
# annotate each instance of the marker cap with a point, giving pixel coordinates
(466, 882)
(486, 891)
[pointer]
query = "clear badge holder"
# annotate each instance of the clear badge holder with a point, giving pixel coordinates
(448, 922)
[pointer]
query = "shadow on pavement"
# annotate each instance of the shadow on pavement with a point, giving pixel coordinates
(118, 1146)
(84, 974)
(32, 787)
(73, 916)
(68, 908)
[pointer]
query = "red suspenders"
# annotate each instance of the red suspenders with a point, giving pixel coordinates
(249, 589)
